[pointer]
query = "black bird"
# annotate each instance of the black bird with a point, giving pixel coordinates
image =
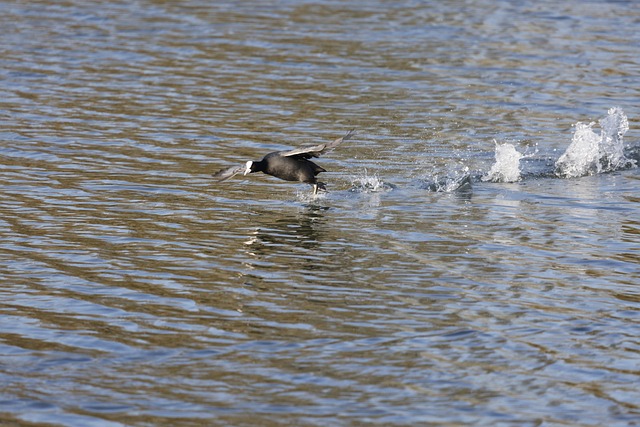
(293, 165)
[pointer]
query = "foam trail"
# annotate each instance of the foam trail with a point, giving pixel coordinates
(590, 153)
(507, 165)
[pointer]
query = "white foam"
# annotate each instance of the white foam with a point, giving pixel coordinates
(591, 153)
(507, 165)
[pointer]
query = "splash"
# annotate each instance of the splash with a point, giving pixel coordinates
(592, 153)
(306, 196)
(507, 165)
(366, 183)
(455, 181)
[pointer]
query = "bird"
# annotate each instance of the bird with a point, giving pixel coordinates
(292, 165)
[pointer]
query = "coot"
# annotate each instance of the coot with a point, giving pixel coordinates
(293, 165)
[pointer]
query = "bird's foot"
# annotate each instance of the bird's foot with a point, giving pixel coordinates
(319, 185)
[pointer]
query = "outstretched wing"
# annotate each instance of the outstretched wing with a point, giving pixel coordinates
(317, 150)
(228, 173)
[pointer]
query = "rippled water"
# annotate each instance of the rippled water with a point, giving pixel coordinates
(135, 291)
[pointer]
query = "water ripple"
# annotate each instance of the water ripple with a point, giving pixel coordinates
(136, 291)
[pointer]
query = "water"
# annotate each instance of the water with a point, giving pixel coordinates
(443, 279)
(507, 165)
(592, 153)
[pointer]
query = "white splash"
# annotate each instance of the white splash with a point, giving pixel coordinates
(455, 181)
(590, 153)
(366, 183)
(507, 165)
(307, 196)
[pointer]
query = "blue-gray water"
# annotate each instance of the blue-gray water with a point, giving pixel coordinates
(137, 292)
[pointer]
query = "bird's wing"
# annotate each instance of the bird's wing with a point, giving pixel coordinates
(228, 173)
(317, 150)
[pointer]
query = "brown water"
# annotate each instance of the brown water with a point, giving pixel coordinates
(135, 291)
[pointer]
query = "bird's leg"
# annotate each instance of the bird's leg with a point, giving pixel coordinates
(318, 185)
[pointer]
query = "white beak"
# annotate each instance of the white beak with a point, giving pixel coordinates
(248, 169)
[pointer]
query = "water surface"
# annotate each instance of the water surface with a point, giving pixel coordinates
(135, 291)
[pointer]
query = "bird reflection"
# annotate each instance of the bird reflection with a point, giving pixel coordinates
(282, 235)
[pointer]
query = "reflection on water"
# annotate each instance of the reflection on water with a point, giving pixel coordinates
(135, 292)
(298, 231)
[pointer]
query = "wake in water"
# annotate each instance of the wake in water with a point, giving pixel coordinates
(507, 165)
(589, 153)
(453, 182)
(309, 197)
(363, 183)
(366, 183)
(592, 153)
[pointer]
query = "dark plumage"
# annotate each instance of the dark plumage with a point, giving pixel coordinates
(293, 165)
